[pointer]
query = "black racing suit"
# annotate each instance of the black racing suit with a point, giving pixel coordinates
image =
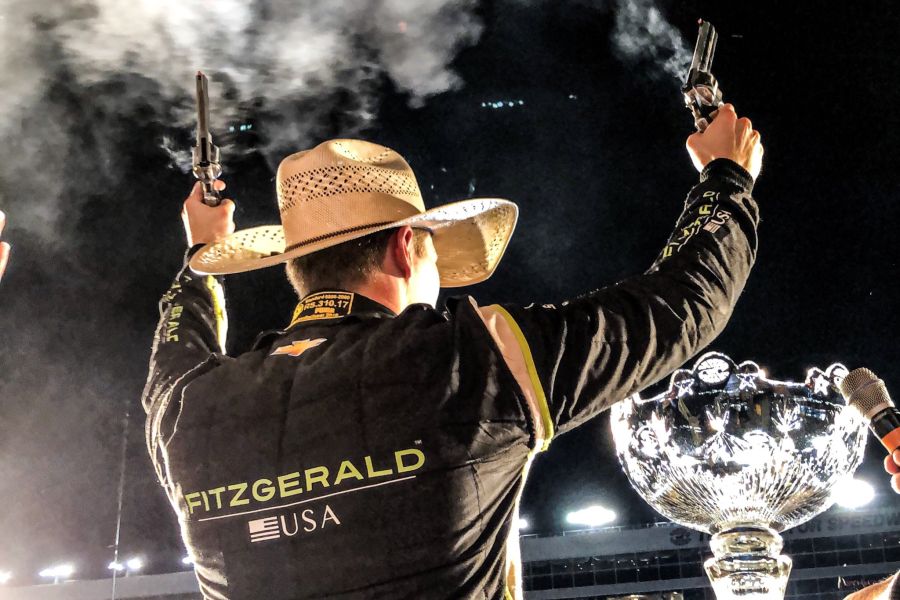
(363, 454)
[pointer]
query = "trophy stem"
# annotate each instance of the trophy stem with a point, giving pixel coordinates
(747, 564)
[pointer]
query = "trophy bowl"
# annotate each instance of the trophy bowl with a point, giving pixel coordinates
(729, 452)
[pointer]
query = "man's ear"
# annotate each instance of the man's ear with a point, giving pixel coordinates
(402, 249)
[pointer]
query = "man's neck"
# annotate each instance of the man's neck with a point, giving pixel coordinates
(388, 291)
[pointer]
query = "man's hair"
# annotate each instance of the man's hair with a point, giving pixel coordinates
(345, 265)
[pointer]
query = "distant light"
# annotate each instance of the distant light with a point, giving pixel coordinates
(592, 516)
(134, 564)
(5, 576)
(503, 103)
(187, 560)
(58, 572)
(116, 566)
(523, 524)
(853, 493)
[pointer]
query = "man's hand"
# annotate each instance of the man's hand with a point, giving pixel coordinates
(727, 137)
(881, 590)
(206, 224)
(876, 591)
(892, 466)
(4, 247)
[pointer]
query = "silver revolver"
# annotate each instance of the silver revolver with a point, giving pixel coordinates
(205, 154)
(702, 94)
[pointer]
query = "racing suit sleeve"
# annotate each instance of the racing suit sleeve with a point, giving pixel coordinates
(585, 354)
(192, 329)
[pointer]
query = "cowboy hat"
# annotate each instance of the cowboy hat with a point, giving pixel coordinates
(345, 189)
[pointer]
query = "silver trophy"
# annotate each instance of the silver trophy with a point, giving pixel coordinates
(727, 451)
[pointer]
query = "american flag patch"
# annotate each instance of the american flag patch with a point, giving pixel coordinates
(264, 529)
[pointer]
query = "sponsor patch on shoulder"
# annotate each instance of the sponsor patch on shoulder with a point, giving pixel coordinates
(299, 347)
(323, 305)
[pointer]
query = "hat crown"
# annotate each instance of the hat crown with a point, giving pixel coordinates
(344, 185)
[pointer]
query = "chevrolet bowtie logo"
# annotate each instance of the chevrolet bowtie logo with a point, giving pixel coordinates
(299, 347)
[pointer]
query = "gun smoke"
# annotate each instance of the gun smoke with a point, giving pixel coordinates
(642, 34)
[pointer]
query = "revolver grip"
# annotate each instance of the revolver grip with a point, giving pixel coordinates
(211, 196)
(703, 115)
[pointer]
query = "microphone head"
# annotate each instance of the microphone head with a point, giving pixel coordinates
(865, 392)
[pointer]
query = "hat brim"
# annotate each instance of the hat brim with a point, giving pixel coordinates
(469, 236)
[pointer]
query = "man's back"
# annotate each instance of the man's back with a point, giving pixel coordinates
(373, 454)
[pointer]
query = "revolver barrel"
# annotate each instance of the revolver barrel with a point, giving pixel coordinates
(705, 48)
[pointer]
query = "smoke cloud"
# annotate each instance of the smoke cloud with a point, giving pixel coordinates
(290, 68)
(643, 34)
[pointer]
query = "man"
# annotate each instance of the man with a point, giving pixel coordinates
(377, 448)
(4, 247)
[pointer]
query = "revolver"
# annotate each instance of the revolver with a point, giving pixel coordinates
(702, 94)
(205, 154)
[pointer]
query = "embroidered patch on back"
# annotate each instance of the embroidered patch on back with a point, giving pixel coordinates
(324, 305)
(299, 347)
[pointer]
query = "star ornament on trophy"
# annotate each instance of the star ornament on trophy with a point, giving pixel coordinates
(729, 452)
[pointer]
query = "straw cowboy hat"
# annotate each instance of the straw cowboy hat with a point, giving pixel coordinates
(345, 189)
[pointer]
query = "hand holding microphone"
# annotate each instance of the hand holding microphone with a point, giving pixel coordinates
(866, 393)
(892, 466)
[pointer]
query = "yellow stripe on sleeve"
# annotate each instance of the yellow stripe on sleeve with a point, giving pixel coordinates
(218, 302)
(532, 374)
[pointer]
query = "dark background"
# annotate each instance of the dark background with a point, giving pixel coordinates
(595, 159)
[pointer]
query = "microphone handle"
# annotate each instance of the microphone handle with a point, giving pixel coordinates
(886, 425)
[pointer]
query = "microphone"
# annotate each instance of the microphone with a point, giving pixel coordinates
(866, 393)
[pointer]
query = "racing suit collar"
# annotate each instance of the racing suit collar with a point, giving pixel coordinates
(360, 306)
(331, 304)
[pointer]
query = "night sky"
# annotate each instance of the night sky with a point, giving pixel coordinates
(592, 150)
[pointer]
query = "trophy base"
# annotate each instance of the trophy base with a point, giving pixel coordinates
(747, 564)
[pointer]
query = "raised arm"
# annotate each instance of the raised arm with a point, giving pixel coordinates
(595, 350)
(192, 323)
